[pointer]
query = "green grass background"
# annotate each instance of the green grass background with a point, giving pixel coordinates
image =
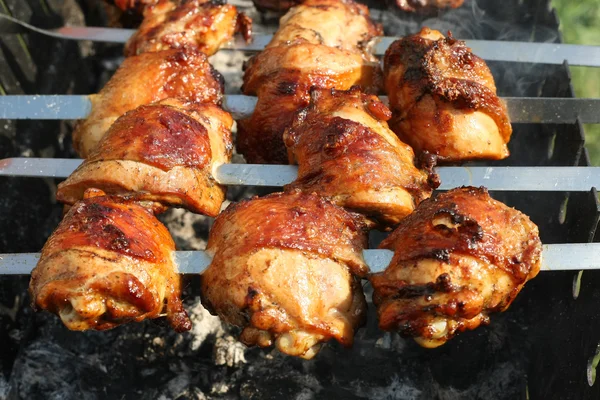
(580, 24)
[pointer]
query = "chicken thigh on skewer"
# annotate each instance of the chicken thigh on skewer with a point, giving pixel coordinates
(284, 270)
(164, 152)
(443, 99)
(347, 153)
(137, 5)
(110, 261)
(321, 43)
(427, 5)
(201, 24)
(145, 79)
(342, 24)
(458, 258)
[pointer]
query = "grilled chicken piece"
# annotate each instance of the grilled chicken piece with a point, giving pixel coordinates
(283, 270)
(427, 5)
(321, 43)
(347, 153)
(135, 5)
(201, 24)
(275, 5)
(457, 259)
(110, 261)
(164, 152)
(443, 99)
(343, 24)
(145, 79)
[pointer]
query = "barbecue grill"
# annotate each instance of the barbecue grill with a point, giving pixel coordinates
(540, 348)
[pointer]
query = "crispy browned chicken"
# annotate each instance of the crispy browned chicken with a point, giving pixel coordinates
(275, 5)
(320, 43)
(164, 152)
(427, 5)
(347, 153)
(137, 5)
(443, 99)
(283, 270)
(110, 261)
(458, 258)
(144, 79)
(201, 24)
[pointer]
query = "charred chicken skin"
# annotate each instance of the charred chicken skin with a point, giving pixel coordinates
(427, 5)
(458, 258)
(284, 270)
(347, 153)
(163, 152)
(136, 5)
(204, 25)
(443, 99)
(145, 79)
(110, 261)
(320, 43)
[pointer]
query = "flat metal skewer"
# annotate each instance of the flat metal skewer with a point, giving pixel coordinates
(556, 257)
(491, 50)
(572, 179)
(536, 110)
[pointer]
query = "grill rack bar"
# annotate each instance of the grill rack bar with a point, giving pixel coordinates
(538, 110)
(490, 50)
(556, 257)
(543, 179)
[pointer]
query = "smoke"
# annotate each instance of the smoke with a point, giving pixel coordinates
(477, 19)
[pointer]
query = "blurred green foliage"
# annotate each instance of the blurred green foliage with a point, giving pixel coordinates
(580, 24)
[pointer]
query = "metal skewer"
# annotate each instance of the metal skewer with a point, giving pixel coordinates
(544, 53)
(552, 179)
(536, 110)
(556, 257)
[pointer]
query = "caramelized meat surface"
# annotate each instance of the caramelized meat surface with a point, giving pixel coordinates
(321, 43)
(458, 258)
(443, 99)
(343, 24)
(347, 153)
(110, 261)
(283, 269)
(163, 152)
(200, 24)
(145, 79)
(134, 5)
(427, 5)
